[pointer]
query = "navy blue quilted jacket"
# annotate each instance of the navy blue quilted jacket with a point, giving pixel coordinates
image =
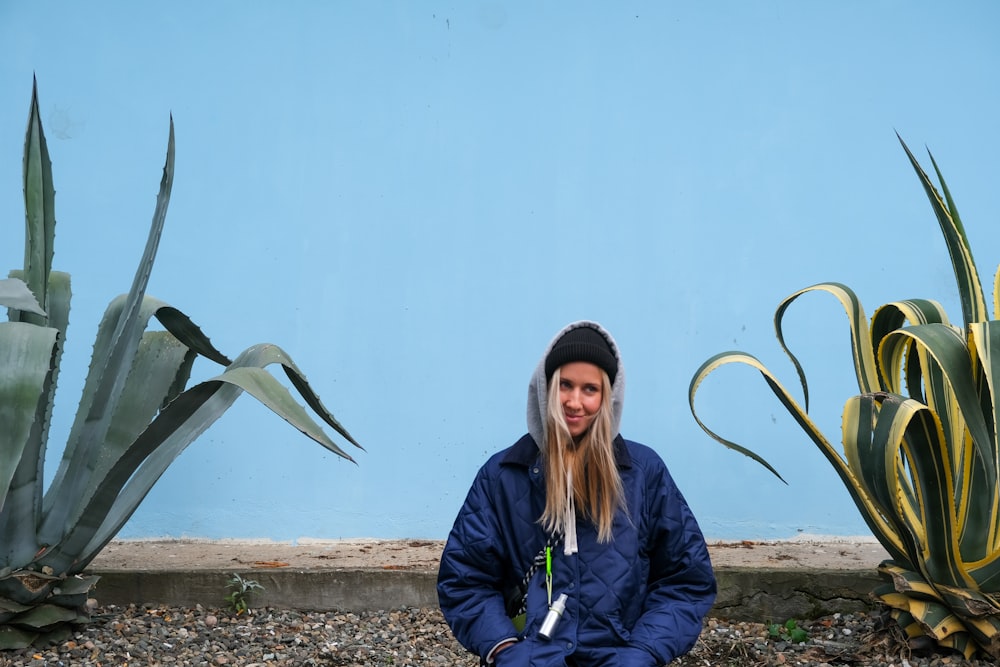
(637, 601)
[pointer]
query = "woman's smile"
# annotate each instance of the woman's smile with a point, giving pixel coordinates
(580, 393)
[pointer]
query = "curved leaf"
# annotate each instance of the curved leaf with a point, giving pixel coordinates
(946, 374)
(119, 491)
(186, 331)
(869, 510)
(26, 353)
(702, 373)
(862, 349)
(896, 315)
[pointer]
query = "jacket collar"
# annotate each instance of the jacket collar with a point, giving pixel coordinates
(525, 452)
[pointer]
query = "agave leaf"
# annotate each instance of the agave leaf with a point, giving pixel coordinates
(970, 288)
(44, 616)
(202, 405)
(941, 623)
(12, 638)
(118, 492)
(10, 609)
(76, 461)
(265, 388)
(77, 584)
(894, 316)
(861, 346)
(907, 581)
(29, 480)
(917, 444)
(947, 377)
(39, 209)
(864, 430)
(898, 314)
(73, 591)
(15, 294)
(869, 510)
(946, 374)
(26, 353)
(158, 359)
(710, 365)
(109, 371)
(10, 606)
(27, 587)
(897, 610)
(986, 632)
(969, 602)
(159, 371)
(186, 331)
(920, 611)
(987, 572)
(984, 340)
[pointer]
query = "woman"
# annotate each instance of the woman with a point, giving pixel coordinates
(572, 509)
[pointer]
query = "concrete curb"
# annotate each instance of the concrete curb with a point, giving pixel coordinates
(745, 593)
(776, 595)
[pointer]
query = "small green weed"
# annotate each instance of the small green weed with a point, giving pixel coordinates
(240, 590)
(791, 631)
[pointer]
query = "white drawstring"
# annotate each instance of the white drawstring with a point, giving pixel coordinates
(569, 542)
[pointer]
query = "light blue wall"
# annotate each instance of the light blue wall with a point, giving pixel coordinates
(412, 197)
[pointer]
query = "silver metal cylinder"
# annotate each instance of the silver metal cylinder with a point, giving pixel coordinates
(551, 618)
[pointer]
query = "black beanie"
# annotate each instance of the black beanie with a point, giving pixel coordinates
(582, 344)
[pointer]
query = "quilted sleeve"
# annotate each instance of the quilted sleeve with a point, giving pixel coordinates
(470, 577)
(682, 585)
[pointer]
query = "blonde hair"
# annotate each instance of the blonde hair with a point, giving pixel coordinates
(597, 487)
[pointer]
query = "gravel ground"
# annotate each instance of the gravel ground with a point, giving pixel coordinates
(416, 637)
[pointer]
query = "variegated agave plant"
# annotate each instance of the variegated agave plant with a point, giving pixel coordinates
(920, 447)
(134, 418)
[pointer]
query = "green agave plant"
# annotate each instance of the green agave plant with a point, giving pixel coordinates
(920, 451)
(134, 418)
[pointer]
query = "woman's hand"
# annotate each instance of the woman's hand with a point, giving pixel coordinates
(504, 646)
(511, 654)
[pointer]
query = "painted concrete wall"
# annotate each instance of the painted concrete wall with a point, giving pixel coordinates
(412, 197)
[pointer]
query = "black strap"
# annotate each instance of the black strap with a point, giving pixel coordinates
(518, 603)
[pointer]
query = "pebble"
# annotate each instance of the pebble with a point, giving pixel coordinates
(414, 637)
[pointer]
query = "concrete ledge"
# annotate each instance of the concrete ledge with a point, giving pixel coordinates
(313, 590)
(745, 593)
(758, 581)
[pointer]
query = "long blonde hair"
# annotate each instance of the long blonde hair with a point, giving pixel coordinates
(597, 487)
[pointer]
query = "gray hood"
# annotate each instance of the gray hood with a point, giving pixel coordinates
(539, 386)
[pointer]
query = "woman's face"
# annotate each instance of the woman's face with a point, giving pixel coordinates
(580, 394)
